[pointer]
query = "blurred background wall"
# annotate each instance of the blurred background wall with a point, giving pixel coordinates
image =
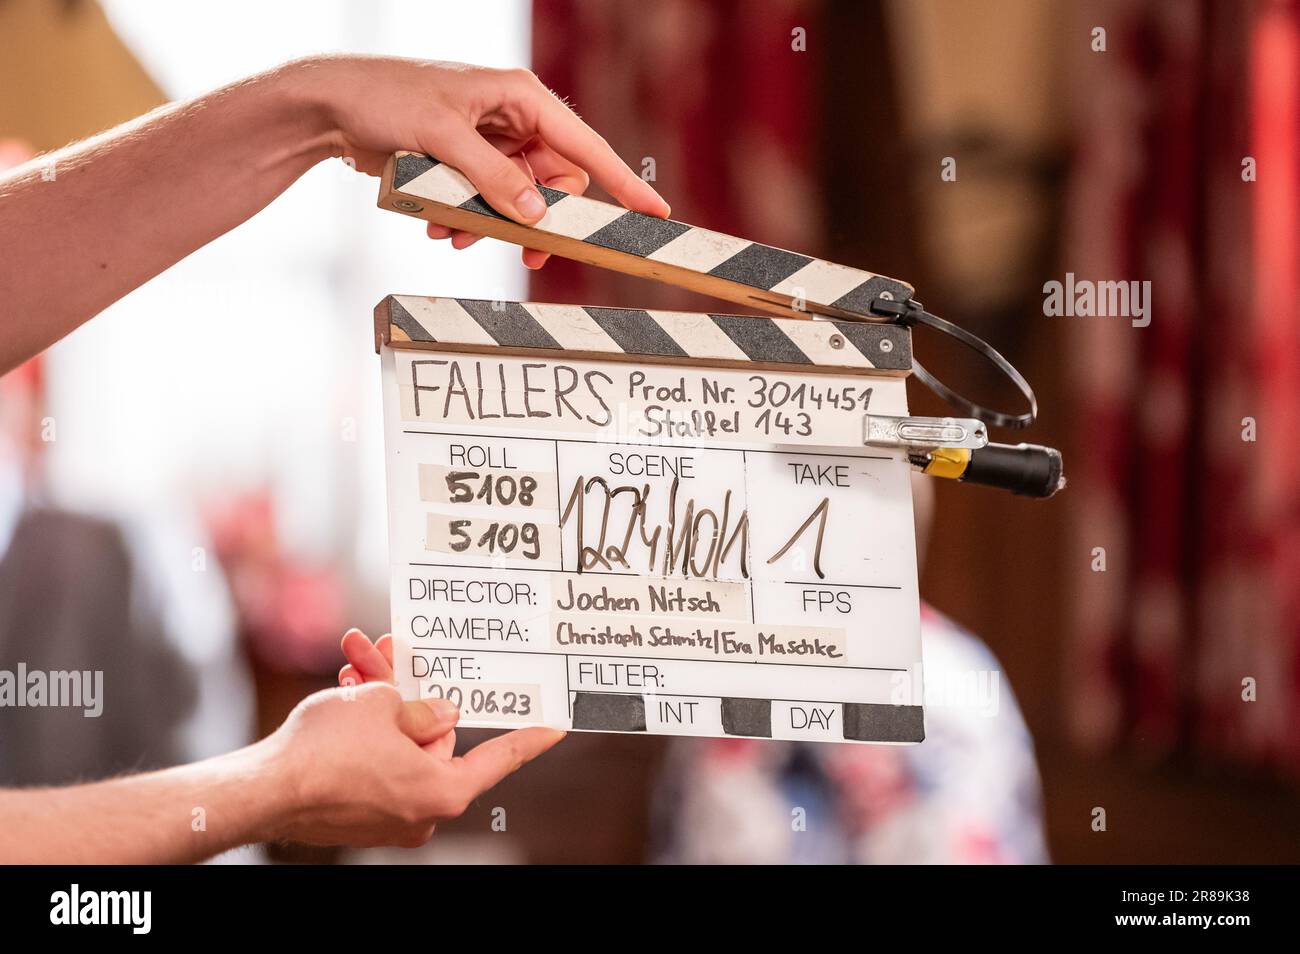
(1123, 162)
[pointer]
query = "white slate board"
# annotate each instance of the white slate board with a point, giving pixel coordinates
(607, 546)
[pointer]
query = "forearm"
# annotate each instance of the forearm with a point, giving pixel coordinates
(129, 203)
(174, 816)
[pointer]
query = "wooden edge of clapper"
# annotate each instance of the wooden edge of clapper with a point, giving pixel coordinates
(748, 273)
(383, 324)
(538, 329)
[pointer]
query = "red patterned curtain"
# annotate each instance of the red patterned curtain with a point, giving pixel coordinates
(1188, 145)
(714, 95)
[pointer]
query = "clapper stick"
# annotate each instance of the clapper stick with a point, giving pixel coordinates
(609, 236)
(775, 280)
(632, 334)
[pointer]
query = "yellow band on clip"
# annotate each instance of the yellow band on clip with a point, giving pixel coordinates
(950, 462)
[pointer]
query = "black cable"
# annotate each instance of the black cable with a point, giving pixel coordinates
(910, 313)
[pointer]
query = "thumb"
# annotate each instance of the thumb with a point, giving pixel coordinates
(427, 720)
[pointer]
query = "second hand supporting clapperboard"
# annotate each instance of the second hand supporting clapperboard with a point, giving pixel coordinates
(617, 547)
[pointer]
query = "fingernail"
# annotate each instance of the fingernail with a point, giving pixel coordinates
(443, 708)
(530, 204)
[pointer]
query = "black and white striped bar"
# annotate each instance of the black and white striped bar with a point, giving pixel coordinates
(753, 718)
(816, 286)
(411, 320)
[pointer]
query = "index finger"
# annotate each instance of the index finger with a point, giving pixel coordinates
(486, 764)
(369, 661)
(568, 135)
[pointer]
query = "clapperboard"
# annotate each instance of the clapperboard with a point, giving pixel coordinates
(620, 520)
